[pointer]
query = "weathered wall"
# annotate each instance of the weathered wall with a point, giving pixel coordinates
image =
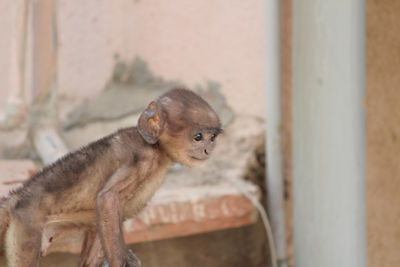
(383, 132)
(193, 41)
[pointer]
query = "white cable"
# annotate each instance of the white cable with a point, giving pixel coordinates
(264, 218)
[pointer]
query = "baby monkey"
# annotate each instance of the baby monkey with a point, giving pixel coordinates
(97, 187)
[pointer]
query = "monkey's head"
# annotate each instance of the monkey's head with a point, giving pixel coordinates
(183, 124)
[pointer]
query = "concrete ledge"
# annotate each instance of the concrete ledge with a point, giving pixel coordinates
(177, 209)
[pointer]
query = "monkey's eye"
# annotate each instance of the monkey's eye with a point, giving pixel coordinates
(198, 137)
(213, 137)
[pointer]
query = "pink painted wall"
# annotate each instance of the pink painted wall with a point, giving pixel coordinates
(6, 16)
(193, 41)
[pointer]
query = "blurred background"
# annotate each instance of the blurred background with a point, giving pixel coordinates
(322, 76)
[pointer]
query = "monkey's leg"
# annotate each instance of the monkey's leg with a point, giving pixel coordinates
(92, 254)
(23, 239)
(3, 230)
(109, 221)
(4, 218)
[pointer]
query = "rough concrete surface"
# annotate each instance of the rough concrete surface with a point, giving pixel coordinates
(238, 247)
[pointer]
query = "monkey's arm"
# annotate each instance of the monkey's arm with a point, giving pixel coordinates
(109, 219)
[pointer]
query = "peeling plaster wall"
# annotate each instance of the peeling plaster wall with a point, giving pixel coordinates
(193, 41)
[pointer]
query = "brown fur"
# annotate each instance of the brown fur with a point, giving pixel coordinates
(97, 187)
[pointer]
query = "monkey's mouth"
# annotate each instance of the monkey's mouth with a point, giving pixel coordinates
(198, 159)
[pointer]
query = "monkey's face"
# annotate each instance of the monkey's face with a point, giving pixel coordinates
(193, 146)
(201, 143)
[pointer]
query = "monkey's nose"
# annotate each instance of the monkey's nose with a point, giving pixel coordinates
(206, 151)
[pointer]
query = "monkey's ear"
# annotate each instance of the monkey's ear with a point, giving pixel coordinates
(151, 122)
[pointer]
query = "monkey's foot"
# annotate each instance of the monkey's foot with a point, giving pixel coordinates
(132, 261)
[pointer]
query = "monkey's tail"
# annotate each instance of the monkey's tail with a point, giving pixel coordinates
(4, 219)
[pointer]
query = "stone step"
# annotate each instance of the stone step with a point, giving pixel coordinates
(180, 207)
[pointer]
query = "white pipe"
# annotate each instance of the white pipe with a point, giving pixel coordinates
(46, 138)
(274, 181)
(49, 145)
(329, 133)
(15, 109)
